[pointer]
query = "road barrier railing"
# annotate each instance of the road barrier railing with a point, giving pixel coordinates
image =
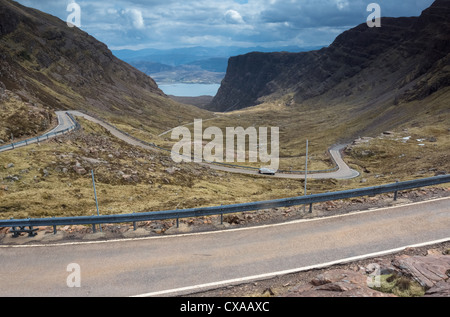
(229, 209)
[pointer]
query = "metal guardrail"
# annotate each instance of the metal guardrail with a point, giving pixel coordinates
(42, 138)
(222, 210)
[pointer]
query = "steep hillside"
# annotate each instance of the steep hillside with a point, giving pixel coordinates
(45, 61)
(20, 120)
(406, 59)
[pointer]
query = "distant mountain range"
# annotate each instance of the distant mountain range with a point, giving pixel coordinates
(203, 65)
(182, 56)
(405, 59)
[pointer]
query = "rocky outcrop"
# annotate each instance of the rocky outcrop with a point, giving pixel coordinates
(426, 270)
(406, 59)
(431, 272)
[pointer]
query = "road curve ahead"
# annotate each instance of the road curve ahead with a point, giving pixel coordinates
(155, 266)
(343, 172)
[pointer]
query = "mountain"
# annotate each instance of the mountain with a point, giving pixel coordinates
(406, 59)
(45, 61)
(214, 64)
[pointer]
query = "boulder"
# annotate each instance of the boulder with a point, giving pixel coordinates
(12, 178)
(79, 170)
(130, 178)
(171, 170)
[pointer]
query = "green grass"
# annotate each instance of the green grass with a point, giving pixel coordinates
(400, 286)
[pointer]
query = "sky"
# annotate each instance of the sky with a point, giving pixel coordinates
(166, 24)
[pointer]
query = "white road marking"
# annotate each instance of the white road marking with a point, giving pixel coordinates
(226, 230)
(208, 286)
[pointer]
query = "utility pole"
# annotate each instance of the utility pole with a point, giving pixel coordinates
(306, 171)
(306, 166)
(95, 194)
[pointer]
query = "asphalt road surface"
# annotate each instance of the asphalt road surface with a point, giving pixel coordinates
(154, 266)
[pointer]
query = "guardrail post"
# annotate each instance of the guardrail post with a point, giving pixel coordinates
(94, 230)
(178, 221)
(396, 193)
(310, 208)
(54, 227)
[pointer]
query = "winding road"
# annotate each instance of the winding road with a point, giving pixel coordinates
(343, 172)
(65, 125)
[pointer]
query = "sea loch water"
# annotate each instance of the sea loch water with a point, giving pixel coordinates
(189, 90)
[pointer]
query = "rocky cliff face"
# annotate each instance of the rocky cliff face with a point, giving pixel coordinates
(405, 59)
(45, 61)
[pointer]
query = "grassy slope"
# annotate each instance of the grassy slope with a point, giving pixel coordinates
(48, 185)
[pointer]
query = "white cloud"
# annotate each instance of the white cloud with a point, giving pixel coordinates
(342, 4)
(137, 18)
(233, 17)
